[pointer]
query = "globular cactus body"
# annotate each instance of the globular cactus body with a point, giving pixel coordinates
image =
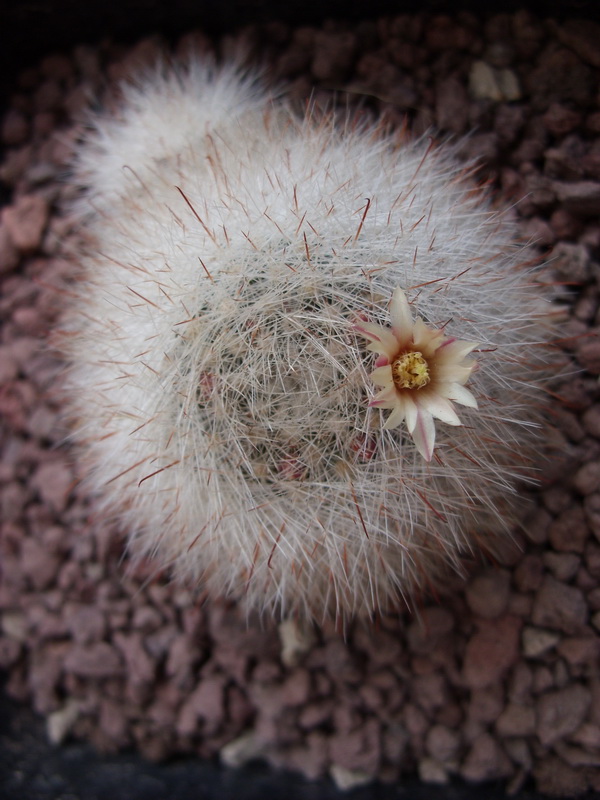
(220, 370)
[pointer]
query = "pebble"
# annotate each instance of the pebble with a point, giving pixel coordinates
(529, 573)
(580, 198)
(26, 221)
(491, 651)
(591, 506)
(60, 722)
(333, 55)
(112, 721)
(568, 533)
(141, 668)
(205, 703)
(560, 119)
(587, 481)
(358, 750)
(95, 660)
(557, 779)
(53, 481)
(572, 262)
(485, 761)
(561, 713)
(559, 606)
(487, 82)
(516, 720)
(560, 77)
(86, 623)
(451, 105)
(563, 566)
(488, 594)
(442, 744)
(582, 36)
(591, 421)
(241, 750)
(580, 651)
(15, 128)
(348, 779)
(429, 629)
(40, 566)
(296, 641)
(431, 771)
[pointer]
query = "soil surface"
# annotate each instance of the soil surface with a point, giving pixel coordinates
(501, 682)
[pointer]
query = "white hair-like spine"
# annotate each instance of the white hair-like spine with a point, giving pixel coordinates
(219, 390)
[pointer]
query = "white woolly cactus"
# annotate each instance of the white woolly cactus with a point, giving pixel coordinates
(232, 348)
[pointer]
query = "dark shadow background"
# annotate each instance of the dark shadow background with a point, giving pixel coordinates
(32, 769)
(30, 28)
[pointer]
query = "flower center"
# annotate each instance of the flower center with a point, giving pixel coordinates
(410, 371)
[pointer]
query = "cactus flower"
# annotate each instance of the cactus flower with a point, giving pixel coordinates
(421, 372)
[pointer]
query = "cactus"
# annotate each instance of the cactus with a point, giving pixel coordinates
(227, 343)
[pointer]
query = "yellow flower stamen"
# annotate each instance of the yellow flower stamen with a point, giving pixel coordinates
(410, 371)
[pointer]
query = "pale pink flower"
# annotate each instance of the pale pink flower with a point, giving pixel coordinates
(421, 372)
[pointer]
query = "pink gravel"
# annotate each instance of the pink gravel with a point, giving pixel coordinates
(499, 683)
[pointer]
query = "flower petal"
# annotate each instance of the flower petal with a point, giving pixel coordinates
(438, 407)
(382, 376)
(410, 409)
(454, 350)
(386, 398)
(453, 373)
(425, 339)
(458, 393)
(401, 317)
(396, 417)
(424, 434)
(382, 339)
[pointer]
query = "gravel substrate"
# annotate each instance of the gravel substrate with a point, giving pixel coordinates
(501, 681)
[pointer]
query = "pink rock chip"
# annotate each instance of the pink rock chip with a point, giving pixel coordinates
(15, 128)
(113, 722)
(26, 222)
(296, 688)
(491, 651)
(333, 56)
(561, 120)
(206, 703)
(141, 668)
(86, 623)
(100, 660)
(44, 675)
(426, 632)
(581, 35)
(569, 531)
(442, 744)
(580, 651)
(561, 713)
(451, 105)
(359, 750)
(9, 256)
(40, 566)
(516, 720)
(486, 761)
(559, 606)
(9, 369)
(53, 481)
(311, 757)
(587, 478)
(554, 778)
(488, 593)
(591, 421)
